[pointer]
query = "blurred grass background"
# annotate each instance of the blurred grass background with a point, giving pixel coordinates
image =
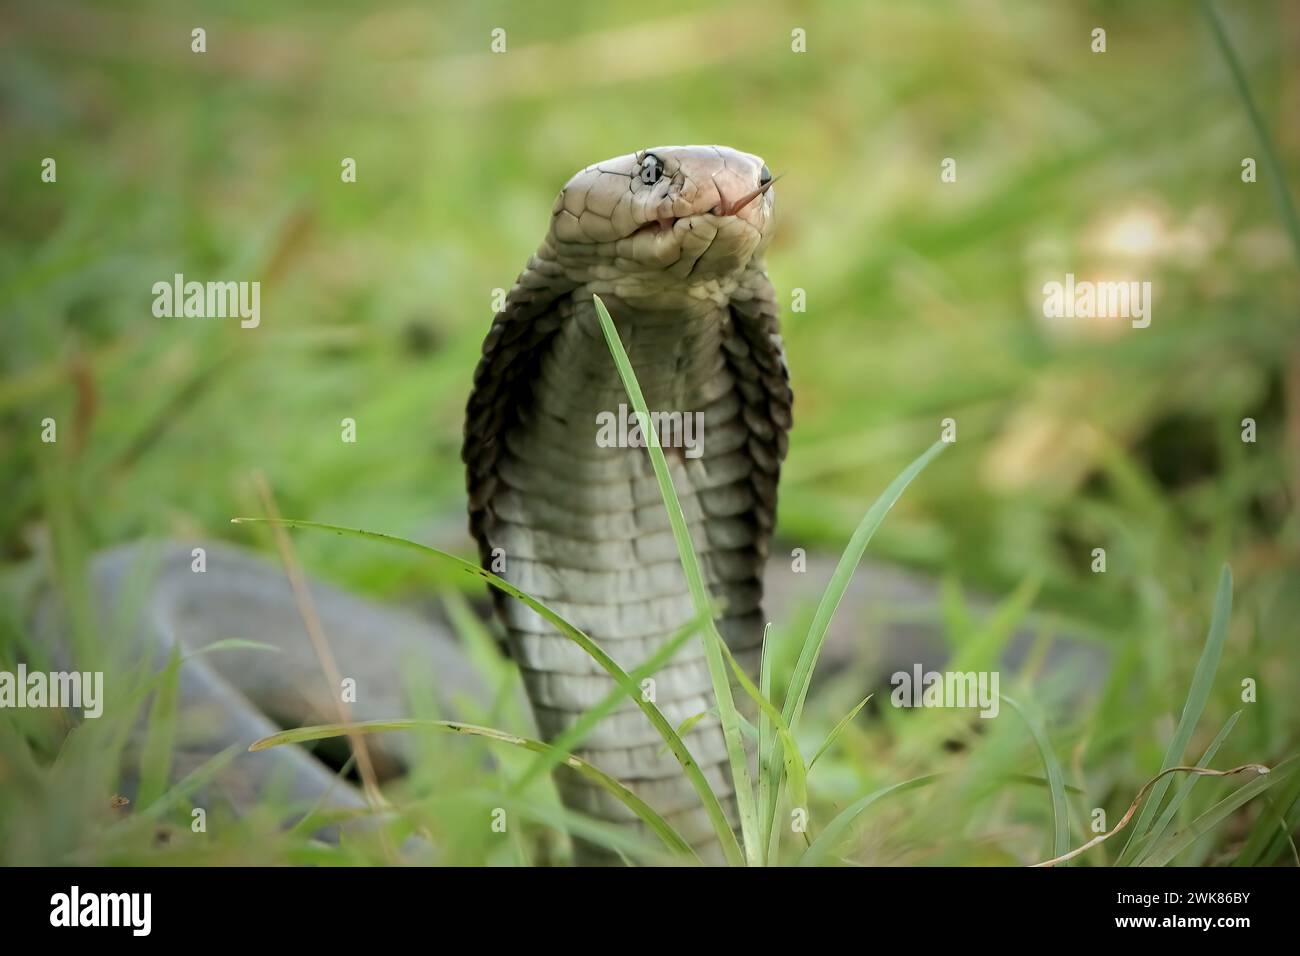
(923, 303)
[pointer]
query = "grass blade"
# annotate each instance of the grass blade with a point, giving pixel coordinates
(692, 769)
(834, 593)
(765, 753)
(771, 784)
(562, 745)
(1285, 207)
(838, 828)
(197, 778)
(685, 726)
(1141, 795)
(233, 644)
(838, 729)
(1162, 824)
(609, 836)
(1272, 831)
(593, 773)
(1197, 695)
(727, 714)
(982, 646)
(156, 755)
(795, 771)
(1180, 841)
(839, 582)
(1055, 779)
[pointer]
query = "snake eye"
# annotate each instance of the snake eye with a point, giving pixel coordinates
(764, 175)
(652, 169)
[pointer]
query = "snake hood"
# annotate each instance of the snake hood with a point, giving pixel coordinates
(669, 218)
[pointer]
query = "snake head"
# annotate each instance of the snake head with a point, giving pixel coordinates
(663, 215)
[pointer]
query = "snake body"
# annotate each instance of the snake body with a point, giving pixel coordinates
(671, 239)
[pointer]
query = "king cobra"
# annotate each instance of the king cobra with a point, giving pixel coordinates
(672, 239)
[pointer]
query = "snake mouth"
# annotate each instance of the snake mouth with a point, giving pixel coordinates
(657, 226)
(726, 208)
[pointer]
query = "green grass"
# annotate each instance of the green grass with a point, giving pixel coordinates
(626, 682)
(1202, 682)
(780, 752)
(1055, 778)
(673, 841)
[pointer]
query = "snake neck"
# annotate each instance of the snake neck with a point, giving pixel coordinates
(583, 527)
(676, 353)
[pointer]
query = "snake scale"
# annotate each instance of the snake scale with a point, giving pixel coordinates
(672, 240)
